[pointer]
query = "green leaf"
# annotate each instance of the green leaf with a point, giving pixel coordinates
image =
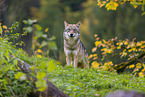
(29, 21)
(38, 33)
(143, 13)
(20, 76)
(7, 55)
(38, 27)
(52, 38)
(1, 30)
(51, 66)
(44, 43)
(25, 21)
(29, 29)
(41, 75)
(52, 45)
(15, 61)
(1, 61)
(41, 85)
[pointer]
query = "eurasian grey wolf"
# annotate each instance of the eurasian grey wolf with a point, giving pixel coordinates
(74, 49)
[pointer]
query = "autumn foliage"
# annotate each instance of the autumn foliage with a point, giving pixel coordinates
(113, 4)
(131, 52)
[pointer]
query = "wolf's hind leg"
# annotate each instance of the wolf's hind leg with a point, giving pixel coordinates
(86, 62)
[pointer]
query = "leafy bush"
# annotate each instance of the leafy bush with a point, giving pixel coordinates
(78, 82)
(41, 38)
(130, 54)
(13, 80)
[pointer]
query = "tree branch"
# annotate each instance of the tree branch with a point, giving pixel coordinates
(120, 67)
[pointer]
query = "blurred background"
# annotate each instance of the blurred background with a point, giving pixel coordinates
(126, 22)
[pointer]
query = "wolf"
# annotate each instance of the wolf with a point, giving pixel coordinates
(74, 49)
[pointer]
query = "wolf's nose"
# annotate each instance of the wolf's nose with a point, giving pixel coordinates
(71, 35)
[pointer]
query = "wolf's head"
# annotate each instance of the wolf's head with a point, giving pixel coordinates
(72, 30)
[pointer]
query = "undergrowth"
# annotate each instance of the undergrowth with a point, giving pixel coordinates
(78, 82)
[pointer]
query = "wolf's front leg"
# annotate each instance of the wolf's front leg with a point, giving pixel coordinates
(75, 62)
(68, 61)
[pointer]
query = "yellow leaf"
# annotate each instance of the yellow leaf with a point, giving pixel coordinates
(138, 65)
(143, 46)
(123, 54)
(125, 43)
(119, 43)
(110, 63)
(94, 55)
(94, 49)
(95, 58)
(115, 4)
(132, 49)
(99, 3)
(132, 44)
(141, 74)
(106, 50)
(39, 56)
(119, 47)
(98, 43)
(39, 51)
(143, 69)
(46, 29)
(121, 2)
(91, 56)
(132, 66)
(95, 35)
(104, 41)
(135, 6)
(138, 44)
(95, 64)
(5, 27)
(111, 5)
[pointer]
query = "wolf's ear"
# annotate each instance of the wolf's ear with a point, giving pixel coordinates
(78, 24)
(65, 23)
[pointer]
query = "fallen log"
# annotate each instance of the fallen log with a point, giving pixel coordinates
(51, 90)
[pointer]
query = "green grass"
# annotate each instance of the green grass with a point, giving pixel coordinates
(78, 82)
(75, 82)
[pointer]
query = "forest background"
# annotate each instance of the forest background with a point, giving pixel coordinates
(126, 22)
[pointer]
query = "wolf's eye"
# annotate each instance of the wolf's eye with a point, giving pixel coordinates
(68, 29)
(74, 30)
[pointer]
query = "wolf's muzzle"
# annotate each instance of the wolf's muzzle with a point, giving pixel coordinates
(71, 35)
